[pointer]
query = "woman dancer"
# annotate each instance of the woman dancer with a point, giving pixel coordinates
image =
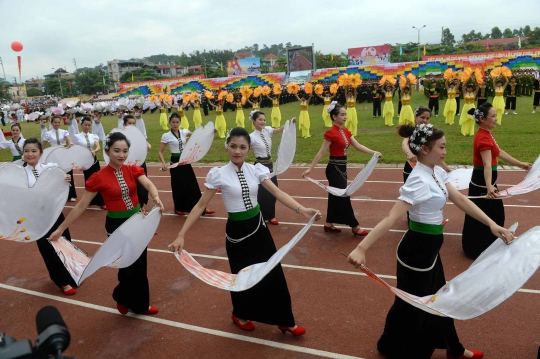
(498, 101)
(91, 142)
(139, 122)
(221, 124)
(59, 137)
(486, 152)
(239, 112)
(450, 107)
(406, 116)
(16, 143)
(97, 127)
(32, 151)
(327, 100)
(465, 120)
(261, 142)
(276, 112)
(248, 240)
(117, 183)
(388, 109)
(338, 139)
(410, 332)
(185, 189)
(197, 117)
(73, 126)
(352, 116)
(163, 115)
(256, 105)
(304, 120)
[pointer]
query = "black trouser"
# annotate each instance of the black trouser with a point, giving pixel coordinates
(434, 104)
(458, 108)
(399, 107)
(3, 121)
(377, 107)
(510, 103)
(481, 101)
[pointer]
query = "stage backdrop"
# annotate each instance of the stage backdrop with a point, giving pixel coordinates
(249, 66)
(483, 55)
(369, 55)
(300, 59)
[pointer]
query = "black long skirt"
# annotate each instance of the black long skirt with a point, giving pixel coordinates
(133, 290)
(476, 236)
(339, 208)
(410, 332)
(98, 199)
(266, 200)
(72, 191)
(407, 169)
(57, 271)
(185, 188)
(269, 300)
(142, 193)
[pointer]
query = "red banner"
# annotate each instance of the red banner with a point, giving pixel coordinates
(369, 55)
(166, 81)
(510, 53)
(19, 63)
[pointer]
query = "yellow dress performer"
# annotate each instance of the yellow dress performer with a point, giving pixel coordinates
(163, 120)
(221, 124)
(184, 123)
(276, 113)
(352, 117)
(256, 107)
(388, 109)
(197, 117)
(465, 120)
(498, 100)
(239, 115)
(303, 120)
(450, 107)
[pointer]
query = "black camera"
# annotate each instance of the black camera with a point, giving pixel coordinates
(53, 338)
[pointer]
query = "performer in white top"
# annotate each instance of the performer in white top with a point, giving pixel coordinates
(15, 144)
(32, 151)
(261, 142)
(120, 116)
(97, 127)
(59, 137)
(410, 332)
(248, 239)
(91, 142)
(139, 120)
(73, 126)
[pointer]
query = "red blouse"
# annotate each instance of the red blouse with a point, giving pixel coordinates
(118, 188)
(484, 141)
(338, 146)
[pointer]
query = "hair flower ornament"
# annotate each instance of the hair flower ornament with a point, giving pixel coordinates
(331, 106)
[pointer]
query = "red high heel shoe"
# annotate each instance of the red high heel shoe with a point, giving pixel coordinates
(274, 222)
(151, 310)
(103, 207)
(71, 291)
(296, 332)
(332, 229)
(180, 213)
(476, 355)
(249, 326)
(209, 211)
(122, 309)
(360, 234)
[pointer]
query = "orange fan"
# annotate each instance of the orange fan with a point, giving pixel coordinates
(355, 80)
(244, 98)
(186, 97)
(457, 75)
(222, 94)
(448, 74)
(333, 88)
(506, 72)
(194, 96)
(293, 88)
(209, 95)
(412, 78)
(257, 91)
(230, 98)
(496, 72)
(383, 80)
(319, 89)
(152, 98)
(246, 91)
(277, 89)
(266, 90)
(392, 80)
(402, 81)
(344, 80)
(308, 88)
(479, 75)
(466, 74)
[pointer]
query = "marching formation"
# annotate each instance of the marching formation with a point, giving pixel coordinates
(250, 192)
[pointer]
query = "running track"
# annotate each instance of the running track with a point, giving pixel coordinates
(342, 310)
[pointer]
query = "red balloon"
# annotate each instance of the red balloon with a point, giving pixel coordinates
(16, 46)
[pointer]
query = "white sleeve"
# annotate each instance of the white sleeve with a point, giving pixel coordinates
(262, 172)
(270, 130)
(414, 191)
(165, 138)
(213, 179)
(442, 174)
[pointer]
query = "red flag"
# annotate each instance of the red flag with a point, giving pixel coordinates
(19, 63)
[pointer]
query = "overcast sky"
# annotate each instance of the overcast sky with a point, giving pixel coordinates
(54, 32)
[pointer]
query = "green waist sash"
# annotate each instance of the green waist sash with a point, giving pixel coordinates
(494, 168)
(425, 228)
(241, 216)
(124, 214)
(175, 155)
(15, 158)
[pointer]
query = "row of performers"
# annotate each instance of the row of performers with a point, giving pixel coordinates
(249, 193)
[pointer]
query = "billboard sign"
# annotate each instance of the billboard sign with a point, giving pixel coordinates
(369, 55)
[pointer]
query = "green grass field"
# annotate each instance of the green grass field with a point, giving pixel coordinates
(519, 135)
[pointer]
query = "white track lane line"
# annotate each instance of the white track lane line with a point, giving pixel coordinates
(193, 328)
(316, 269)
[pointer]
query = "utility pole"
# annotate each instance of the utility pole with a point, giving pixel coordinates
(1, 63)
(442, 34)
(418, 29)
(75, 63)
